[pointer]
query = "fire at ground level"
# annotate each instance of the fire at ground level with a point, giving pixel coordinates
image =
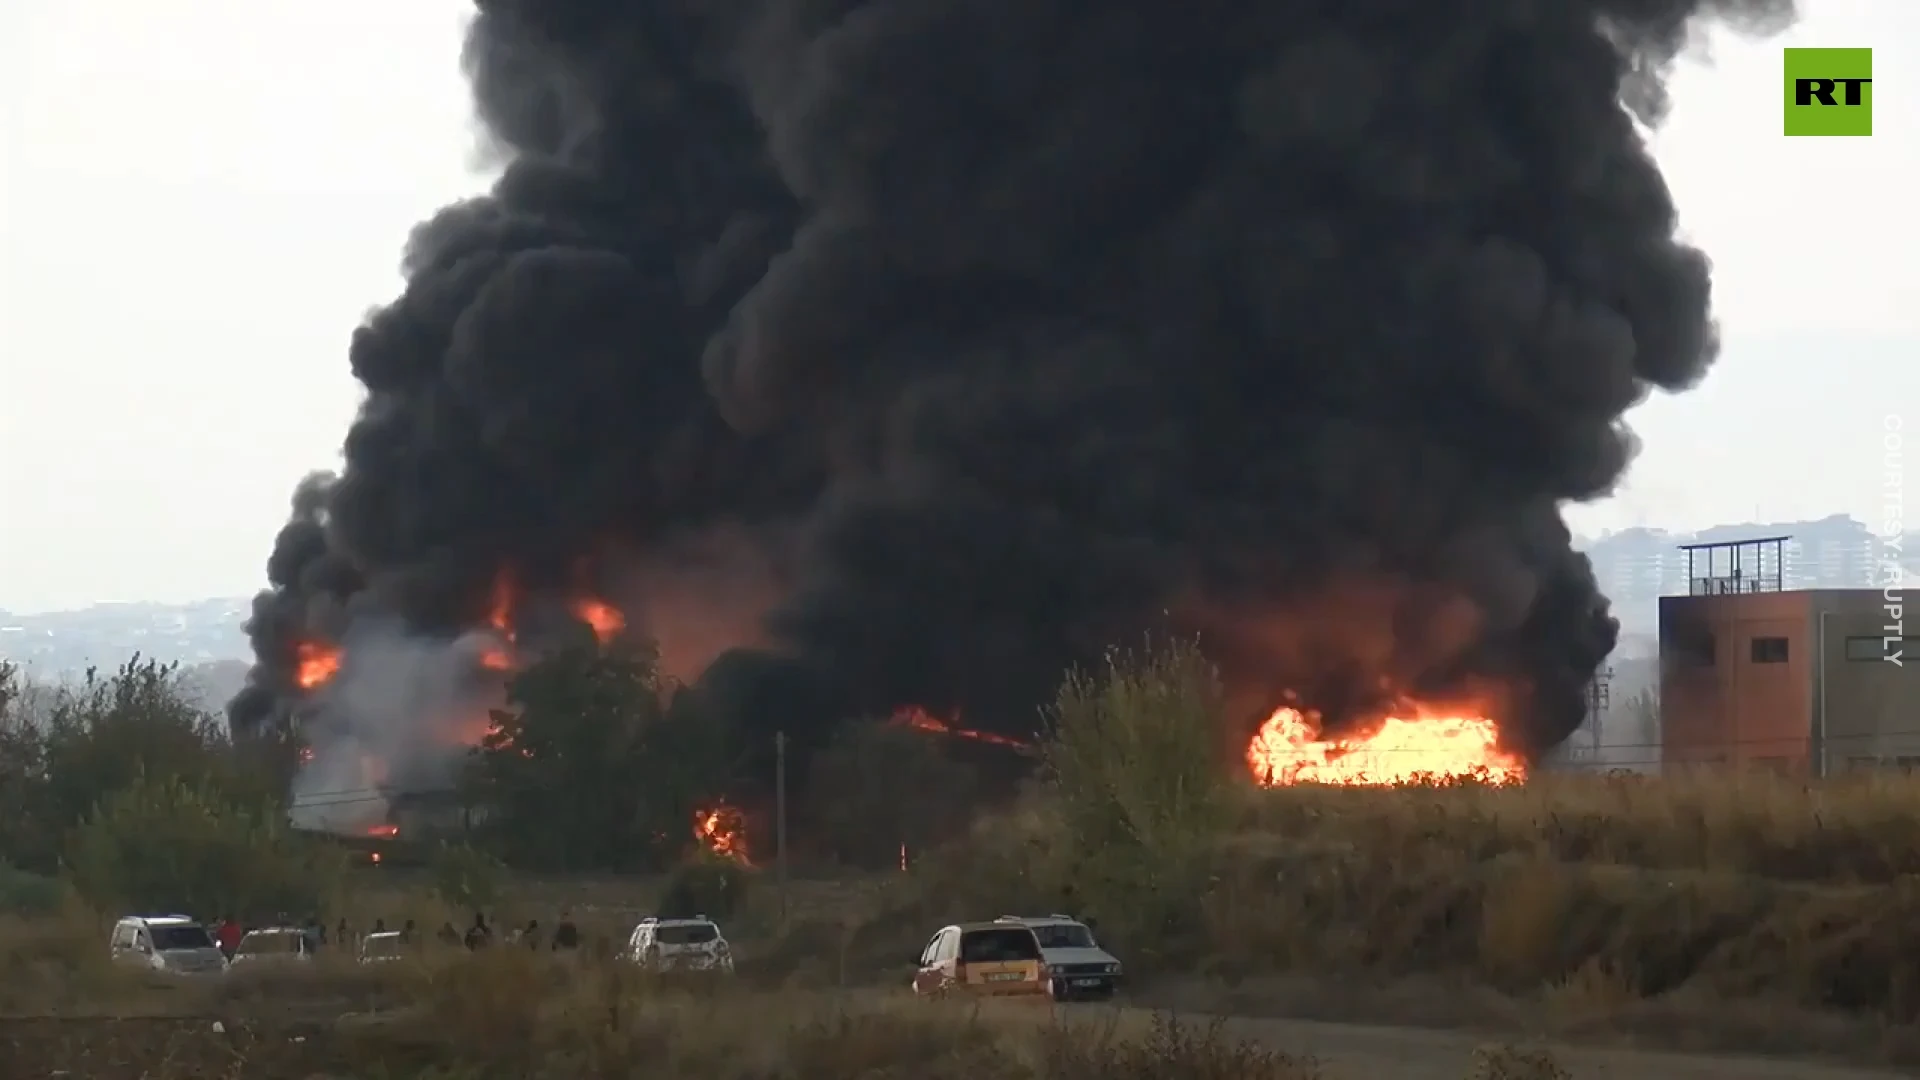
(1408, 741)
(1415, 744)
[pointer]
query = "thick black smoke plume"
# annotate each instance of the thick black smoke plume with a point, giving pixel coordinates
(1003, 329)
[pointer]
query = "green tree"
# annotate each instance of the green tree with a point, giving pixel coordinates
(876, 787)
(1133, 754)
(167, 843)
(107, 730)
(593, 765)
(64, 749)
(28, 836)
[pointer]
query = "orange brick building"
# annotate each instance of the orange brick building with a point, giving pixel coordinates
(1796, 681)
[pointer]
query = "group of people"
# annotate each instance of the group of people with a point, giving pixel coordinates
(565, 936)
(228, 932)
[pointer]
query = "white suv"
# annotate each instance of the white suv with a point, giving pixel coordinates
(173, 944)
(1077, 967)
(694, 944)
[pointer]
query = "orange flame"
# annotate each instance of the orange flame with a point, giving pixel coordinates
(387, 830)
(500, 614)
(921, 720)
(1414, 744)
(316, 664)
(602, 616)
(723, 830)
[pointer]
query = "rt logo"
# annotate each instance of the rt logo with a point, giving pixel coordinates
(1829, 91)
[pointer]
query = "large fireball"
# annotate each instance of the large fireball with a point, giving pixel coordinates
(1411, 744)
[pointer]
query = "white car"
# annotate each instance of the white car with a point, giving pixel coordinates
(1077, 967)
(383, 947)
(275, 945)
(694, 944)
(173, 944)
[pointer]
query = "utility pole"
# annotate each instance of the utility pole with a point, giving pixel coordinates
(1600, 699)
(780, 821)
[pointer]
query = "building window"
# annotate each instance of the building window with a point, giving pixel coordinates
(1905, 763)
(1769, 650)
(1881, 648)
(1693, 647)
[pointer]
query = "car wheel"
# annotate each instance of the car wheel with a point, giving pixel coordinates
(1058, 990)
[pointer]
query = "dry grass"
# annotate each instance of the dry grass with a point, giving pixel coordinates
(525, 1016)
(1579, 903)
(1703, 911)
(1587, 889)
(1861, 828)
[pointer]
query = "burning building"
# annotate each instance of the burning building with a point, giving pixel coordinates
(873, 356)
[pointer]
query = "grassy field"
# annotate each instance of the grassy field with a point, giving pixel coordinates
(516, 1014)
(1716, 911)
(1726, 909)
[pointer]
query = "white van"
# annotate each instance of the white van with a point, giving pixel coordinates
(173, 944)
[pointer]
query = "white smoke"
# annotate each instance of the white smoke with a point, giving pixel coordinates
(396, 720)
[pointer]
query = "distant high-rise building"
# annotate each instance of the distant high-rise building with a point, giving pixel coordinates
(1635, 567)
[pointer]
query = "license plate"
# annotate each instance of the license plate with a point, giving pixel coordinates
(1005, 976)
(1088, 982)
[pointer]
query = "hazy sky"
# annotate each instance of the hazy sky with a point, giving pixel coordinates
(201, 198)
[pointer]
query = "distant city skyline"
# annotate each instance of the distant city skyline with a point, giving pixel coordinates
(1634, 568)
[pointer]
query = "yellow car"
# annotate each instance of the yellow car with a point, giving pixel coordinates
(988, 959)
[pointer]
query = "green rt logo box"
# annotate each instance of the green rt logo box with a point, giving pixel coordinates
(1829, 91)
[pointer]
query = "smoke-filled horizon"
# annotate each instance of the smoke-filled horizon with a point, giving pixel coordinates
(926, 348)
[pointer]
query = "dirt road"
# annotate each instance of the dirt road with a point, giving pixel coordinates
(1356, 1052)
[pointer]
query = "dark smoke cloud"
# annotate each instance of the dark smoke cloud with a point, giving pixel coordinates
(1006, 329)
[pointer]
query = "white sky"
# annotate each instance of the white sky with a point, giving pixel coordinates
(201, 198)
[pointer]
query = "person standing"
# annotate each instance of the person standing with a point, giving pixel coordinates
(566, 936)
(227, 935)
(479, 935)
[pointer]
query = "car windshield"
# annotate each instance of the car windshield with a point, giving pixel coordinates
(173, 938)
(1064, 936)
(998, 946)
(687, 934)
(269, 944)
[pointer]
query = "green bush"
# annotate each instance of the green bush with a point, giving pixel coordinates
(164, 844)
(705, 884)
(466, 877)
(1123, 828)
(27, 894)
